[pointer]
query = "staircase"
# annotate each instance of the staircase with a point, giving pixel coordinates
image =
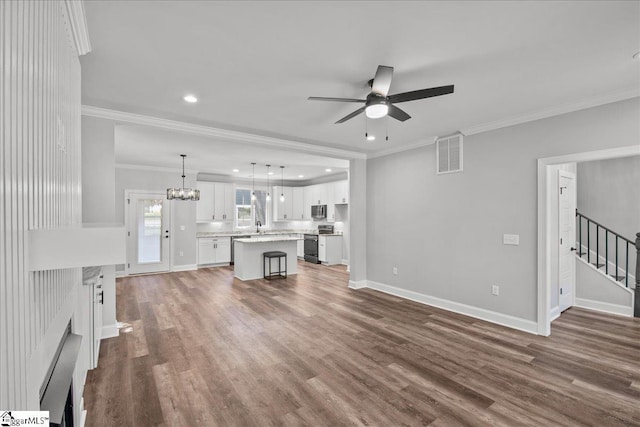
(611, 253)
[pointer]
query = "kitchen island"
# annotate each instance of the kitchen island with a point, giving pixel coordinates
(249, 261)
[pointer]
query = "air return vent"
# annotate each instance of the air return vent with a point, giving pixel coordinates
(449, 154)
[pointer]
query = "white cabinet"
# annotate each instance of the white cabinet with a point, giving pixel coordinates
(297, 207)
(224, 202)
(319, 194)
(282, 210)
(293, 206)
(204, 206)
(307, 197)
(216, 202)
(214, 250)
(330, 249)
(341, 192)
(300, 247)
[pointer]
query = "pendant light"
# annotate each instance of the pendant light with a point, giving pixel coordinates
(253, 185)
(282, 183)
(183, 193)
(268, 188)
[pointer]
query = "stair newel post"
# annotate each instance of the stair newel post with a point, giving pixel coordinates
(636, 309)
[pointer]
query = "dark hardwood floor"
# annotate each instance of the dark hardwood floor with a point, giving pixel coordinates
(202, 348)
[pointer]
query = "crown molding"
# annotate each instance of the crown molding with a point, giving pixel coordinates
(400, 148)
(609, 98)
(250, 138)
(147, 168)
(78, 22)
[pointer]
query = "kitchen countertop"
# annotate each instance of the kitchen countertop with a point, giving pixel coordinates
(265, 233)
(90, 275)
(267, 239)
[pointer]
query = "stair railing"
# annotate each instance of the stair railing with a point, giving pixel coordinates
(624, 255)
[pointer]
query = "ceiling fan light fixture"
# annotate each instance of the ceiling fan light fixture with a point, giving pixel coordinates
(376, 111)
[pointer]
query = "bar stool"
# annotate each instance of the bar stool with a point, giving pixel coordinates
(267, 257)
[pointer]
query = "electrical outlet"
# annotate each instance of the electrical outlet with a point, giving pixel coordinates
(495, 290)
(181, 253)
(395, 271)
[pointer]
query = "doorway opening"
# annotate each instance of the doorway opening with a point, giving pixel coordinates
(548, 215)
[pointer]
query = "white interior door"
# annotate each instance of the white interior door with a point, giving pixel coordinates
(566, 238)
(148, 227)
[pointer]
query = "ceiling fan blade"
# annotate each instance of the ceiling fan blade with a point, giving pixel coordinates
(352, 115)
(382, 80)
(420, 94)
(321, 98)
(398, 114)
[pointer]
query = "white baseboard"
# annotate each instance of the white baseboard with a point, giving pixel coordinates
(185, 267)
(120, 274)
(357, 284)
(109, 331)
(83, 418)
(554, 313)
(604, 307)
(468, 310)
(344, 262)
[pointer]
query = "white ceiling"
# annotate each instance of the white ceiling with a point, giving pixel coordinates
(159, 148)
(253, 64)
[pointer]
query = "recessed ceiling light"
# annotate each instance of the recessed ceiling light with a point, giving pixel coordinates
(190, 98)
(371, 137)
(327, 170)
(270, 173)
(300, 176)
(236, 170)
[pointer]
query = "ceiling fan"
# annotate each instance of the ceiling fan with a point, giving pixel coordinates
(379, 103)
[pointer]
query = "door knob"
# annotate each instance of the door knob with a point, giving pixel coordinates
(573, 249)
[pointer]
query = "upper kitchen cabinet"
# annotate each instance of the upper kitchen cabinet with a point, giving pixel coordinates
(282, 210)
(216, 202)
(341, 192)
(292, 209)
(319, 194)
(297, 209)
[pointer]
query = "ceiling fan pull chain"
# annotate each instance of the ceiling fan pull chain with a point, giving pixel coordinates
(386, 123)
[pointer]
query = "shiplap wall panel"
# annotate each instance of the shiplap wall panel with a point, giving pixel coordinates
(40, 176)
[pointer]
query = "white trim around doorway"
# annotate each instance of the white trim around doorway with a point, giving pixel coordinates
(544, 215)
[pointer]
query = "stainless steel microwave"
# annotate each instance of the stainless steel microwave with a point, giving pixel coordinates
(318, 211)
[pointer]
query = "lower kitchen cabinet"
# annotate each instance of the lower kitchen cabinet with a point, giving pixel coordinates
(330, 249)
(300, 247)
(214, 250)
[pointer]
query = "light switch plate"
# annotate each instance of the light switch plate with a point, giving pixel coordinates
(511, 239)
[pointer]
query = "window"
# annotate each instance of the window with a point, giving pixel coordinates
(246, 216)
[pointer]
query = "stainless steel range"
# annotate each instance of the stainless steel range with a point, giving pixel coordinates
(311, 243)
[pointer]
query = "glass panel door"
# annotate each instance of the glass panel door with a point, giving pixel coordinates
(148, 233)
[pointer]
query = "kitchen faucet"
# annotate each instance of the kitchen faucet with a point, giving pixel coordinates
(258, 225)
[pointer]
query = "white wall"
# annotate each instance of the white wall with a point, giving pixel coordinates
(41, 180)
(444, 232)
(595, 291)
(609, 193)
(98, 193)
(183, 213)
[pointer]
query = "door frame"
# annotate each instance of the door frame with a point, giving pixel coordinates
(573, 176)
(127, 206)
(544, 221)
